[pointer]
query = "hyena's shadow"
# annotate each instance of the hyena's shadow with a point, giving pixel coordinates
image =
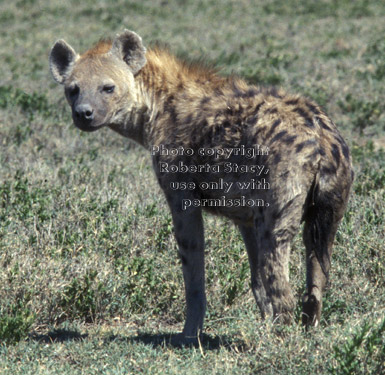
(59, 335)
(206, 342)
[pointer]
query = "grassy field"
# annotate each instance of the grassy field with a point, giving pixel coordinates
(90, 282)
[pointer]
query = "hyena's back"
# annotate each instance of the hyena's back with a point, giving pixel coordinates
(306, 154)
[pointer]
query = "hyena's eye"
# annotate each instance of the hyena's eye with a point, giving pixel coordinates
(109, 89)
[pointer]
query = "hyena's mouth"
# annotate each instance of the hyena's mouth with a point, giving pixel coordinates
(86, 126)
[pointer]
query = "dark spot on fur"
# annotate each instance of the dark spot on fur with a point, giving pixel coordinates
(345, 150)
(203, 124)
(336, 154)
(194, 139)
(314, 154)
(226, 124)
(300, 111)
(251, 92)
(218, 133)
(273, 92)
(313, 108)
(290, 139)
(218, 92)
(278, 214)
(339, 138)
(322, 151)
(271, 279)
(259, 129)
(292, 102)
(205, 100)
(273, 127)
(170, 108)
(252, 120)
(305, 116)
(258, 106)
(323, 125)
(329, 170)
(188, 119)
(300, 146)
(277, 159)
(279, 135)
(309, 123)
(271, 110)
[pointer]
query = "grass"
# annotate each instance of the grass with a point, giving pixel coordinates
(90, 281)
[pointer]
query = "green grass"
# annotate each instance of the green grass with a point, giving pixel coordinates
(90, 282)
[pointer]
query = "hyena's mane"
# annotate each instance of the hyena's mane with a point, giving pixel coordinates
(99, 48)
(197, 69)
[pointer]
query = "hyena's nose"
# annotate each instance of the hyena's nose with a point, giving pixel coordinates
(84, 112)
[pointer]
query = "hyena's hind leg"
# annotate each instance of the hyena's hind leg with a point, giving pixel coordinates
(249, 235)
(321, 223)
(275, 276)
(281, 223)
(268, 246)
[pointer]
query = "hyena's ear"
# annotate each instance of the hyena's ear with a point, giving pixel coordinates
(61, 60)
(129, 47)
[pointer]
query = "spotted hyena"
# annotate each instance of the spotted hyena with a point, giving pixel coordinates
(263, 158)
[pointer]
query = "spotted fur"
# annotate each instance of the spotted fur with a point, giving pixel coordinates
(160, 101)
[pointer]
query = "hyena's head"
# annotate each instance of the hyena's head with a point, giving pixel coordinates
(100, 84)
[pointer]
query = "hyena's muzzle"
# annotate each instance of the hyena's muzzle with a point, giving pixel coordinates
(83, 115)
(87, 116)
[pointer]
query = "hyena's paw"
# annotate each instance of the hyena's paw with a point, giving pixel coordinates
(182, 340)
(283, 311)
(285, 317)
(311, 310)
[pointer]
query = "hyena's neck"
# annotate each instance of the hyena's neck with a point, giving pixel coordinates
(168, 87)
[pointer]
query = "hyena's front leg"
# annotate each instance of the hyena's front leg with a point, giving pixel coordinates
(188, 225)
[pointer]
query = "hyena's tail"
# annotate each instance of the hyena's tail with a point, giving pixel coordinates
(319, 229)
(325, 206)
